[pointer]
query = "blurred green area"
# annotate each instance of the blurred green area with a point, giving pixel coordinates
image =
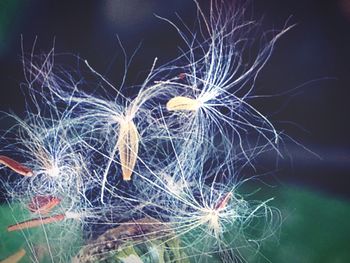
(10, 14)
(10, 242)
(315, 228)
(63, 236)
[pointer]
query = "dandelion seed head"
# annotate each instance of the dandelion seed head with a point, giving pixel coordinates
(169, 158)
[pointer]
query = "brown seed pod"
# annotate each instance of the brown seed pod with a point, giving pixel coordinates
(182, 103)
(128, 146)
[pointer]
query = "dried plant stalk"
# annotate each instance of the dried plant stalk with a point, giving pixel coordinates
(128, 146)
(14, 258)
(15, 166)
(36, 222)
(113, 239)
(182, 103)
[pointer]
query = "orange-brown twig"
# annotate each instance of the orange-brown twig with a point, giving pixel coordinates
(14, 258)
(43, 204)
(223, 202)
(36, 222)
(15, 166)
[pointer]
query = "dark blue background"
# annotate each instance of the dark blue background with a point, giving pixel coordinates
(317, 49)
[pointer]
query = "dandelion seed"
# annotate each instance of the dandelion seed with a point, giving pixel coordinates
(36, 222)
(14, 258)
(181, 103)
(43, 204)
(15, 166)
(128, 146)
